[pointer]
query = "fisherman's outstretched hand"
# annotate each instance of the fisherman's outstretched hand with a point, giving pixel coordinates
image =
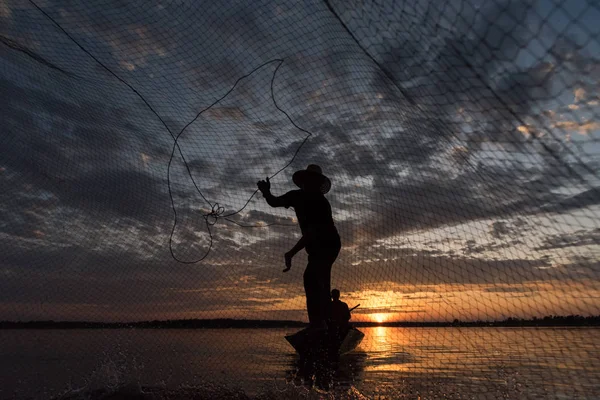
(264, 186)
(288, 262)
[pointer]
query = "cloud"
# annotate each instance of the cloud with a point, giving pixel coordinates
(384, 267)
(472, 247)
(509, 289)
(580, 94)
(418, 203)
(5, 10)
(220, 113)
(73, 153)
(582, 200)
(499, 229)
(578, 238)
(583, 128)
(123, 193)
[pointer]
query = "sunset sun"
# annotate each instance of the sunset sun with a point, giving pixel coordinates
(379, 317)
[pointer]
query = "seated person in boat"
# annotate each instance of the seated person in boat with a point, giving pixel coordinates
(339, 315)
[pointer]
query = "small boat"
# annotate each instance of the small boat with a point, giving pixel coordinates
(310, 339)
(351, 340)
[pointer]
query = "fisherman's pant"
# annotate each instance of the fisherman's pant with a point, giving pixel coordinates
(317, 279)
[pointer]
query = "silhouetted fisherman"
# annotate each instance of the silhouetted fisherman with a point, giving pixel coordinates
(320, 238)
(339, 316)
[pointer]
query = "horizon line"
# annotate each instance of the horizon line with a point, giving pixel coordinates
(363, 323)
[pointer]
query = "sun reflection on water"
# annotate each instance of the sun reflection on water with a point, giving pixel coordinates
(386, 349)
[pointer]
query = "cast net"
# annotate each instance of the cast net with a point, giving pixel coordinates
(462, 140)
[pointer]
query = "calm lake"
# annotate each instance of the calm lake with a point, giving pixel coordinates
(391, 363)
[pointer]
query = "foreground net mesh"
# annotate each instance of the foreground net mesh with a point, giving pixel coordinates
(462, 139)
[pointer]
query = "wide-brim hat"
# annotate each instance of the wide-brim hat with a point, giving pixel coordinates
(312, 173)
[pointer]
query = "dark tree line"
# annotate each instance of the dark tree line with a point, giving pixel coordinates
(547, 321)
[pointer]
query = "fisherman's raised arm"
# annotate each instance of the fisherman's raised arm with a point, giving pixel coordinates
(273, 201)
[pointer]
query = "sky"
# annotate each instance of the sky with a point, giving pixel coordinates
(463, 143)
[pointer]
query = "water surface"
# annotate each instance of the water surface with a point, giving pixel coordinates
(484, 363)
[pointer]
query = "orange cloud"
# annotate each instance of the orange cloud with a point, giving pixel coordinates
(582, 128)
(525, 130)
(127, 65)
(580, 94)
(225, 113)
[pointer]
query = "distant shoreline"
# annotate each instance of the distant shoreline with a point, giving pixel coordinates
(549, 321)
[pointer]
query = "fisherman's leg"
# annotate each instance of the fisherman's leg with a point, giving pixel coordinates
(311, 288)
(324, 286)
(329, 257)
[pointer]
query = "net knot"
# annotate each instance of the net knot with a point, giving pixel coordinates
(216, 211)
